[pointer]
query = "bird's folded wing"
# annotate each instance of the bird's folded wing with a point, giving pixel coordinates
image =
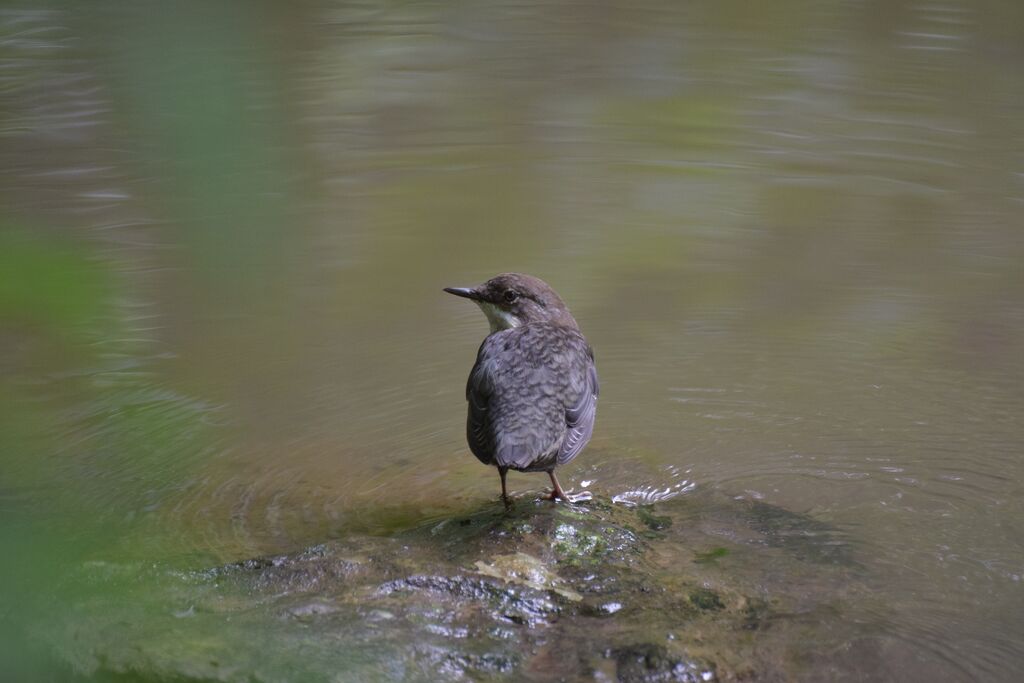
(579, 419)
(478, 429)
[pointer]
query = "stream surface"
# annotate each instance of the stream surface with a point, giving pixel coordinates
(793, 233)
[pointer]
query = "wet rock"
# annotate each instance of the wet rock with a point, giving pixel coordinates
(803, 537)
(706, 599)
(537, 594)
(310, 570)
(530, 607)
(647, 663)
(454, 665)
(652, 521)
(526, 570)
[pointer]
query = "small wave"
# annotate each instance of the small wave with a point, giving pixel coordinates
(648, 495)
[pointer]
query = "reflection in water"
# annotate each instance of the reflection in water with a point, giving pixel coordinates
(791, 233)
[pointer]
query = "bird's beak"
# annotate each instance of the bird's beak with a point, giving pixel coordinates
(466, 292)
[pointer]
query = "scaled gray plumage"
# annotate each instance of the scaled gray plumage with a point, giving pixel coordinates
(533, 391)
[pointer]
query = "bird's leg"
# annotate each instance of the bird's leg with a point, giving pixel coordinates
(502, 471)
(557, 492)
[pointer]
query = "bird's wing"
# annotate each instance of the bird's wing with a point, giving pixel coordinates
(479, 388)
(579, 419)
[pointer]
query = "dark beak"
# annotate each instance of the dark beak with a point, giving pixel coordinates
(467, 292)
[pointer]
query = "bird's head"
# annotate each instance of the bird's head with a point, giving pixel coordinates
(513, 299)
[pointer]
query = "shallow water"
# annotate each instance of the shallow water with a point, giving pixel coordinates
(791, 233)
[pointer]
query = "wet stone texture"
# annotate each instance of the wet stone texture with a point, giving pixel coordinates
(695, 589)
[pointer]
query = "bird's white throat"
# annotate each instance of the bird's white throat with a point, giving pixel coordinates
(499, 319)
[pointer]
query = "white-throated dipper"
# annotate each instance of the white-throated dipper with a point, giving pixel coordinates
(533, 391)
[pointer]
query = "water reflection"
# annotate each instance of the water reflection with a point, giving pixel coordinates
(791, 234)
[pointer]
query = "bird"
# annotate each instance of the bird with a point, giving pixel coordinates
(532, 393)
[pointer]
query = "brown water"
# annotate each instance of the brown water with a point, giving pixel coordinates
(791, 231)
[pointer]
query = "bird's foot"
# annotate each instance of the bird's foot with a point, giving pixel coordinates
(556, 489)
(581, 497)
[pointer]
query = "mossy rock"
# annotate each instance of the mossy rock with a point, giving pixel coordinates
(544, 592)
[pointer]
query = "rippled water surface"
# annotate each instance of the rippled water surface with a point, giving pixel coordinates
(793, 233)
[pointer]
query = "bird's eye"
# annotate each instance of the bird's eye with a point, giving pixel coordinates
(511, 295)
